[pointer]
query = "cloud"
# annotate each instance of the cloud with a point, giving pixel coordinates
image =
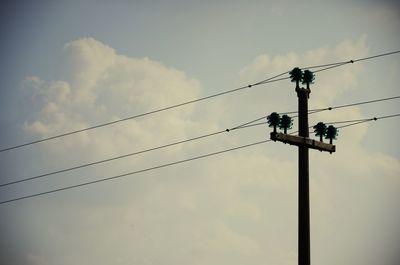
(240, 207)
(99, 86)
(326, 86)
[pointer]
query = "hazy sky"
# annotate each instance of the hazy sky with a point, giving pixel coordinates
(68, 65)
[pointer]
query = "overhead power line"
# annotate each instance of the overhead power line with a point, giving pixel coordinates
(352, 61)
(135, 172)
(265, 81)
(112, 158)
(242, 126)
(119, 157)
(354, 122)
(268, 80)
(171, 164)
(357, 103)
(312, 111)
(376, 56)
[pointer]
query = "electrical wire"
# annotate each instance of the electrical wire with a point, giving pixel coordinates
(171, 164)
(242, 126)
(329, 64)
(133, 172)
(360, 103)
(366, 120)
(348, 121)
(271, 78)
(110, 159)
(334, 122)
(376, 56)
(121, 156)
(358, 121)
(313, 111)
(352, 61)
(333, 66)
(258, 119)
(268, 80)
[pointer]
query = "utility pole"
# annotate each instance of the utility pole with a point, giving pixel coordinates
(304, 143)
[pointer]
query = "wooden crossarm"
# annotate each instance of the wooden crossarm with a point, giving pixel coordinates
(303, 141)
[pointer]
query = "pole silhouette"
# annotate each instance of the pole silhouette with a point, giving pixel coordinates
(304, 194)
(304, 143)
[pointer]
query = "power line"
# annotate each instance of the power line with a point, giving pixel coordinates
(242, 126)
(110, 159)
(366, 120)
(312, 111)
(119, 157)
(332, 65)
(386, 117)
(357, 103)
(352, 61)
(328, 65)
(348, 121)
(356, 121)
(268, 80)
(170, 164)
(376, 56)
(134, 172)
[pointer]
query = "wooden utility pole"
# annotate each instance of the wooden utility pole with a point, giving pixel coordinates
(304, 143)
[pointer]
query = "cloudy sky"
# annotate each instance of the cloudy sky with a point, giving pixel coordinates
(68, 65)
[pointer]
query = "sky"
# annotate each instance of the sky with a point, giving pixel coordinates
(68, 65)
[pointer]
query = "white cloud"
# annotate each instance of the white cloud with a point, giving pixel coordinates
(234, 209)
(99, 86)
(327, 87)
